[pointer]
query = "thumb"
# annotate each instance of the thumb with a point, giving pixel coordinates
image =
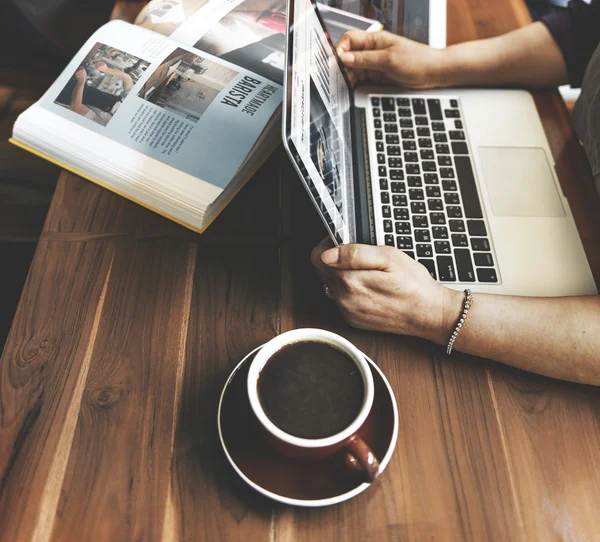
(357, 257)
(378, 60)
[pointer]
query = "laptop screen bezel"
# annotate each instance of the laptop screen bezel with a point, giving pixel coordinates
(287, 109)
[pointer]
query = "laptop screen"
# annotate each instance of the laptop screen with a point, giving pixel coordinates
(317, 120)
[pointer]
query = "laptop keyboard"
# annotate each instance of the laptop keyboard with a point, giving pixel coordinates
(425, 196)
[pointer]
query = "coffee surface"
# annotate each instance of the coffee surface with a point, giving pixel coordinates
(311, 390)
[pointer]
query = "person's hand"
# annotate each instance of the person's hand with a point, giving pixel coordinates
(101, 66)
(383, 289)
(81, 74)
(382, 57)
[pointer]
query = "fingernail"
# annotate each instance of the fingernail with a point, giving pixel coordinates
(331, 256)
(347, 58)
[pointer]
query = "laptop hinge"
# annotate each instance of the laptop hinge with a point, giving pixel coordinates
(363, 195)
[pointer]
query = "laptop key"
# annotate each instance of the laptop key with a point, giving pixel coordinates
(419, 106)
(429, 166)
(459, 147)
(402, 102)
(452, 114)
(430, 266)
(433, 192)
(453, 103)
(389, 240)
(480, 244)
(406, 123)
(386, 211)
(435, 110)
(377, 123)
(424, 251)
(396, 174)
(378, 134)
(420, 221)
(439, 137)
(399, 200)
(422, 121)
(383, 184)
(416, 194)
(407, 134)
(438, 126)
(454, 212)
(379, 146)
(398, 188)
(426, 154)
(390, 128)
(449, 186)
(387, 104)
(403, 228)
(444, 160)
(483, 259)
(413, 169)
(385, 197)
(437, 218)
(458, 124)
(410, 254)
(435, 204)
(409, 145)
(404, 112)
(387, 226)
(404, 243)
(392, 139)
(400, 213)
(439, 232)
(422, 236)
(395, 162)
(423, 132)
(389, 117)
(487, 275)
(442, 149)
(451, 198)
(382, 170)
(375, 102)
(460, 240)
(457, 226)
(464, 265)
(417, 207)
(457, 135)
(411, 157)
(381, 158)
(468, 190)
(447, 173)
(425, 143)
(477, 228)
(414, 181)
(376, 112)
(431, 178)
(446, 269)
(394, 150)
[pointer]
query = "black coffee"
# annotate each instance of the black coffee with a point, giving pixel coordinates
(311, 390)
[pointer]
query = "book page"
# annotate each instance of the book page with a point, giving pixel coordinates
(197, 113)
(248, 33)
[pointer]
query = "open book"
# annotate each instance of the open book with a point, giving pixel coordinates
(175, 122)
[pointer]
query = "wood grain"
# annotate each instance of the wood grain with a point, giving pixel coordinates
(129, 325)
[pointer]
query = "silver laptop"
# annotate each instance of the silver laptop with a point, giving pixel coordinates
(462, 181)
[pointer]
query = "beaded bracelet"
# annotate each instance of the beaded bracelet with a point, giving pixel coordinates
(461, 321)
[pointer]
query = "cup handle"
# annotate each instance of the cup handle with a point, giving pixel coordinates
(358, 457)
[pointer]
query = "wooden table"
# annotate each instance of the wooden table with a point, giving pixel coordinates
(129, 325)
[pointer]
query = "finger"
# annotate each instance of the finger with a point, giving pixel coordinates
(357, 257)
(357, 40)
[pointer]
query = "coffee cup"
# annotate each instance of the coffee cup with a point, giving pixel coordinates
(311, 391)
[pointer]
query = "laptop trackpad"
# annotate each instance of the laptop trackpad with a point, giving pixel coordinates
(519, 182)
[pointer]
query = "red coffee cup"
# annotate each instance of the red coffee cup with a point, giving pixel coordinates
(357, 454)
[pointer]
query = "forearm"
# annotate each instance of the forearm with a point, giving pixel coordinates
(528, 56)
(77, 99)
(556, 337)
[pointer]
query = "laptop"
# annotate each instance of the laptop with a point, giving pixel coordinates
(461, 180)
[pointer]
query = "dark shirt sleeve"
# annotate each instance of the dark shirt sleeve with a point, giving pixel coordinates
(576, 30)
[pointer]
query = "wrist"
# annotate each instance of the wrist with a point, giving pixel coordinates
(442, 316)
